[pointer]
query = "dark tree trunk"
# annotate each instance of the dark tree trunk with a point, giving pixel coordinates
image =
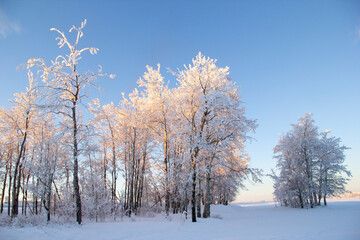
(67, 179)
(26, 193)
(141, 183)
(301, 200)
(47, 200)
(17, 175)
(76, 165)
(9, 188)
(132, 175)
(136, 185)
(36, 198)
(208, 194)
(104, 165)
(113, 188)
(193, 199)
(309, 176)
(167, 192)
(15, 194)
(23, 195)
(199, 196)
(9, 193)
(3, 189)
(126, 191)
(315, 199)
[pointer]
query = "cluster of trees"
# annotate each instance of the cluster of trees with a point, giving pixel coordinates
(310, 164)
(168, 148)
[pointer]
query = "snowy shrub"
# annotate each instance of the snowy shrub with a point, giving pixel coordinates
(5, 220)
(217, 216)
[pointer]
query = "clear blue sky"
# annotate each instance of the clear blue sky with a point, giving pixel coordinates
(288, 57)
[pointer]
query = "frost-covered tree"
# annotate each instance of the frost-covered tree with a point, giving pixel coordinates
(332, 174)
(20, 120)
(303, 158)
(45, 156)
(171, 146)
(107, 128)
(157, 112)
(8, 153)
(210, 113)
(296, 151)
(136, 148)
(97, 197)
(65, 88)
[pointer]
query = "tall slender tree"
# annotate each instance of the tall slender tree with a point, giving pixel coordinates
(156, 108)
(65, 91)
(24, 107)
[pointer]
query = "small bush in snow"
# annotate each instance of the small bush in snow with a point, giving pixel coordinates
(217, 216)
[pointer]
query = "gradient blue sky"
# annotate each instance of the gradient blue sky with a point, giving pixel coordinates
(288, 57)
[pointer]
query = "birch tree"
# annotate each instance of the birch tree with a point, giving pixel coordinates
(65, 92)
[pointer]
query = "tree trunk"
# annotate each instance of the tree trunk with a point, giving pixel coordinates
(186, 202)
(67, 179)
(54, 204)
(301, 200)
(326, 184)
(113, 173)
(193, 199)
(36, 197)
(104, 165)
(208, 194)
(26, 193)
(199, 196)
(113, 188)
(76, 165)
(9, 188)
(167, 193)
(17, 176)
(15, 194)
(141, 183)
(132, 176)
(3, 189)
(23, 195)
(136, 185)
(315, 199)
(47, 199)
(9, 193)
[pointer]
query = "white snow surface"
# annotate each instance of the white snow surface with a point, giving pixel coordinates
(339, 220)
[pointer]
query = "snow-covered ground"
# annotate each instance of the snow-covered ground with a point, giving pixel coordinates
(339, 220)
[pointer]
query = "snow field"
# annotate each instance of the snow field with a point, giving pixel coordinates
(339, 220)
